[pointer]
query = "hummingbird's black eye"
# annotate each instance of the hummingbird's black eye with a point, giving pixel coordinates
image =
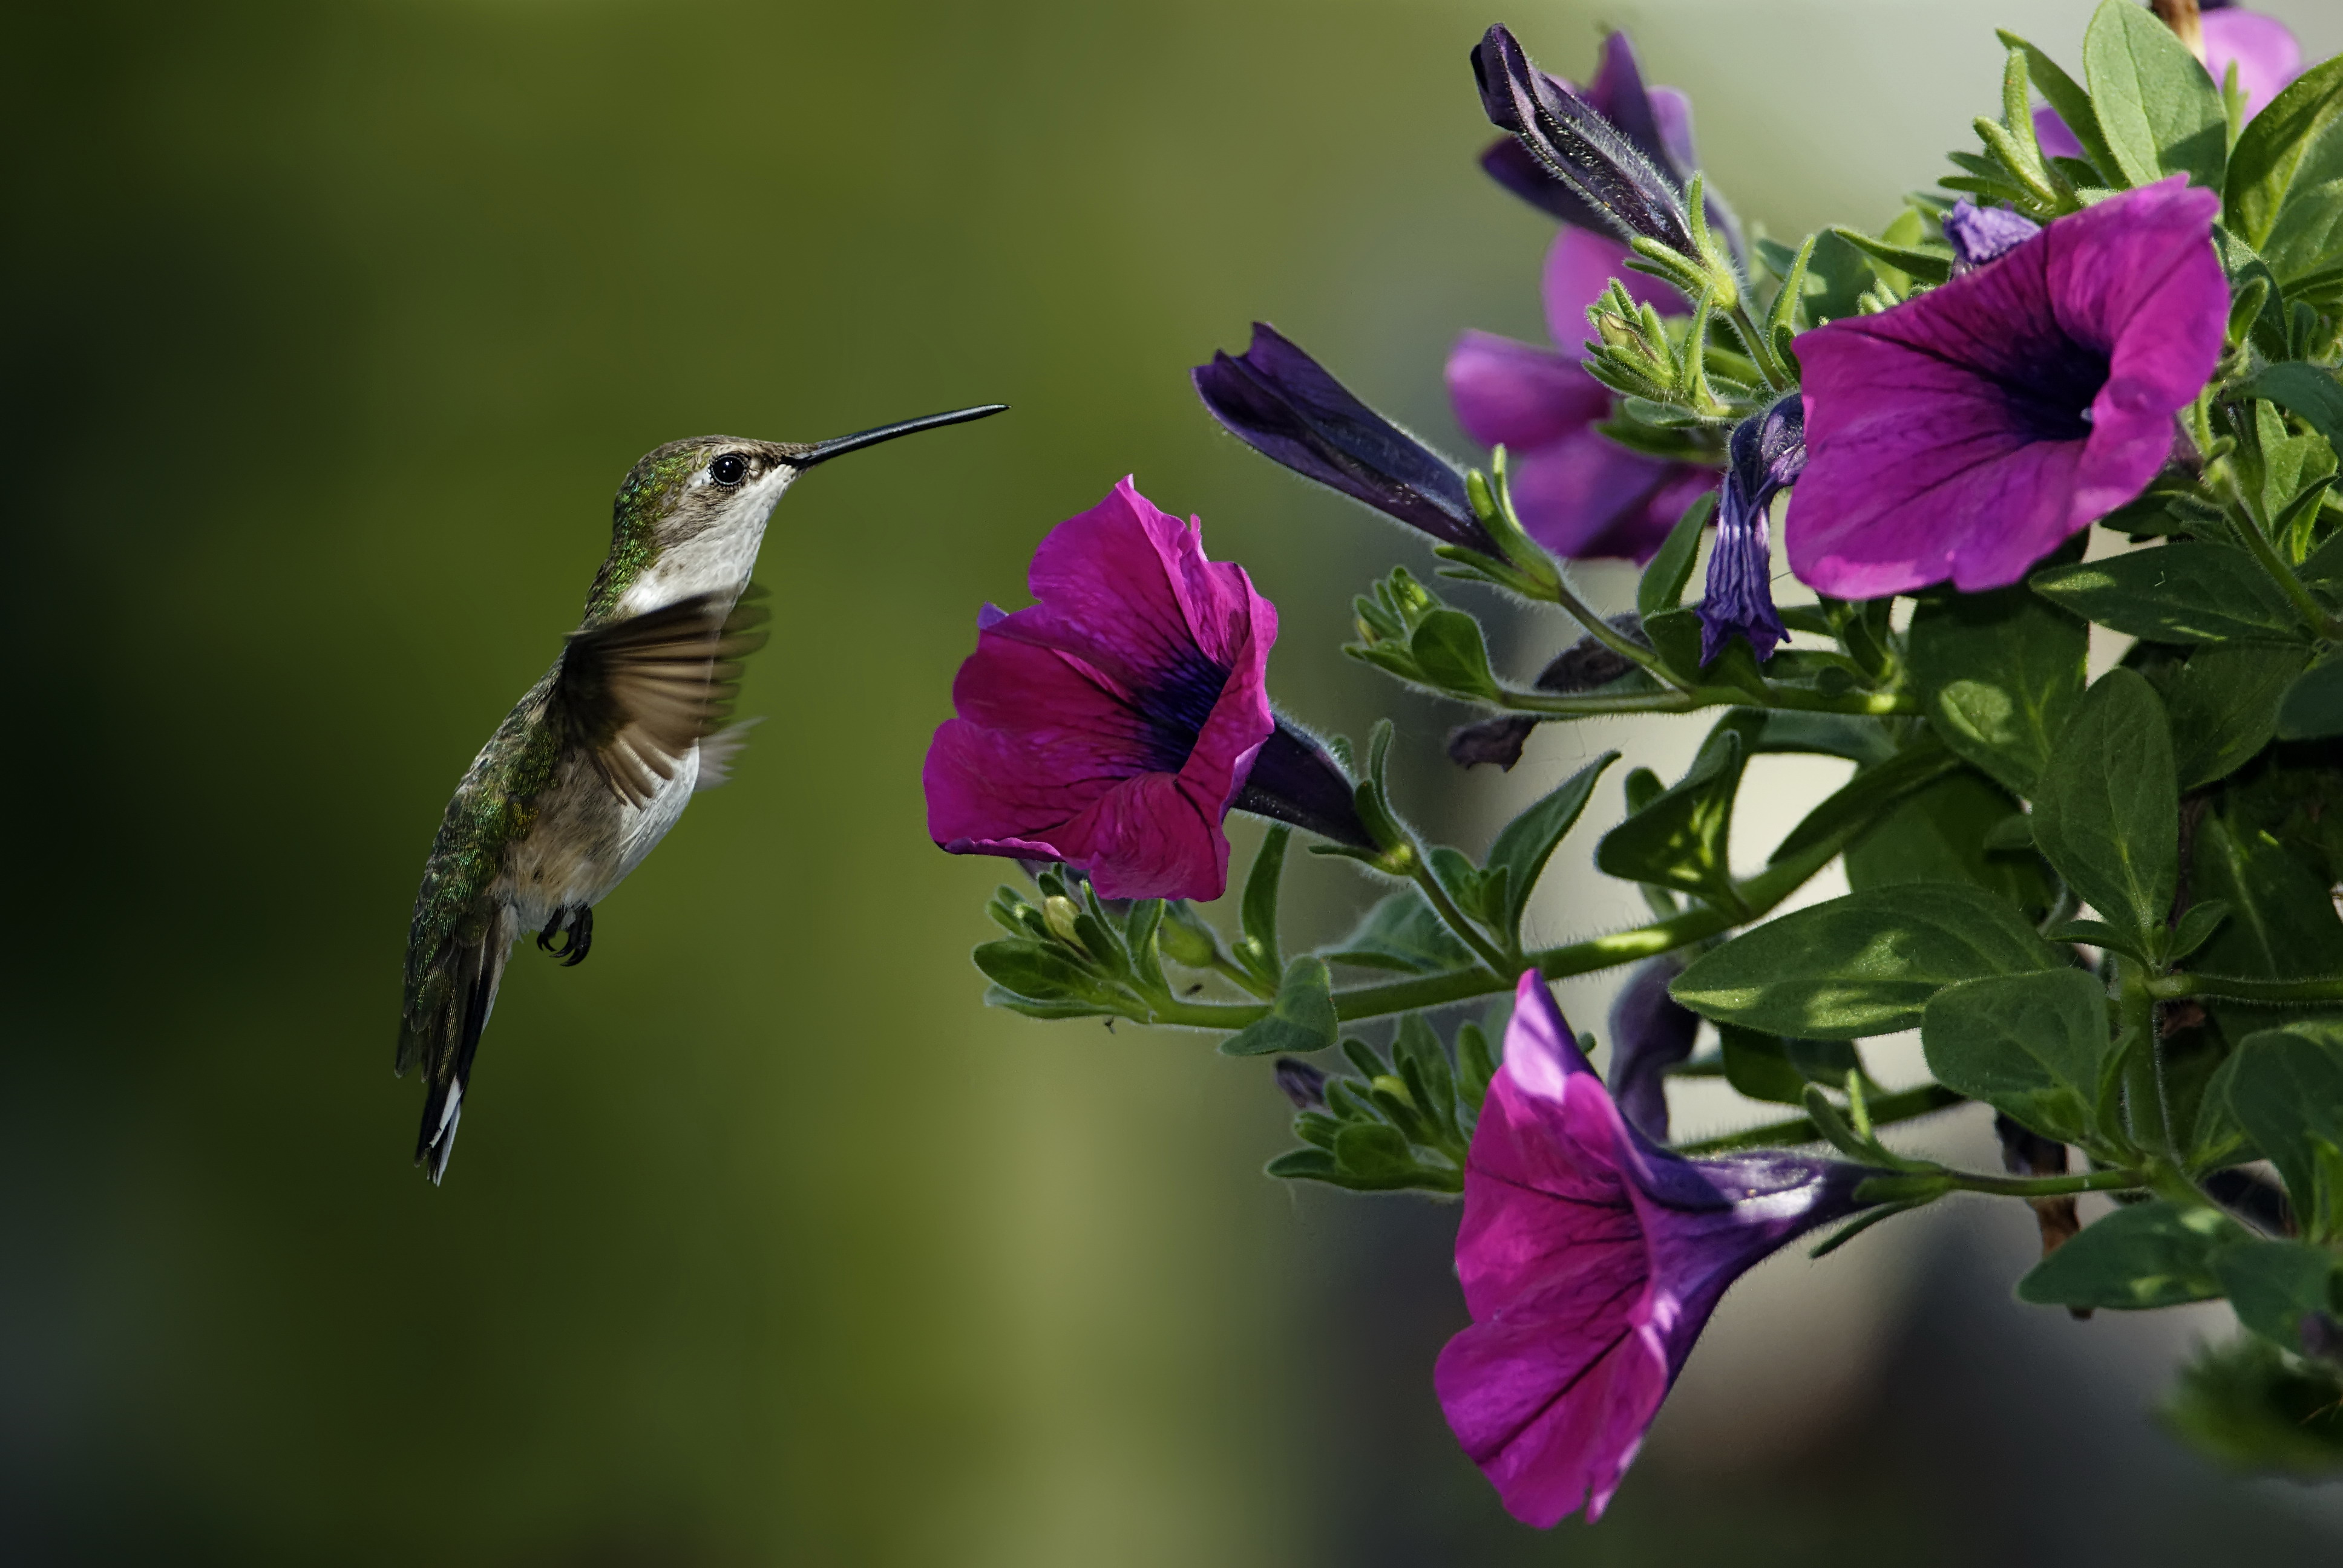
(728, 469)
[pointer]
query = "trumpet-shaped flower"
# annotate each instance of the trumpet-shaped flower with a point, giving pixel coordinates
(1769, 453)
(1966, 432)
(1590, 1260)
(1113, 724)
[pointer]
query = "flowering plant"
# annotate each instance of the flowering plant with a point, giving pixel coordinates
(2091, 382)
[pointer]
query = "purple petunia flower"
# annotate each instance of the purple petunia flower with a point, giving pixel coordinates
(2263, 48)
(1966, 432)
(1578, 493)
(1769, 453)
(1651, 1031)
(1111, 725)
(1590, 1260)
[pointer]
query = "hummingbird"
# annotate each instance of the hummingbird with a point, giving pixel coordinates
(597, 760)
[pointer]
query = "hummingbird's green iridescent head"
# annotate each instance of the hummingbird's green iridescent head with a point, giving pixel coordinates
(690, 514)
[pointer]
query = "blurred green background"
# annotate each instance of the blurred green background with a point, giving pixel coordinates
(330, 330)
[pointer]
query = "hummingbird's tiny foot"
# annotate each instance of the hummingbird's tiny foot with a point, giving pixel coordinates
(581, 937)
(545, 936)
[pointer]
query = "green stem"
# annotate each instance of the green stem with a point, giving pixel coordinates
(2135, 1014)
(1902, 1106)
(2309, 991)
(1759, 894)
(1420, 872)
(1868, 704)
(1761, 350)
(2047, 1186)
(2257, 545)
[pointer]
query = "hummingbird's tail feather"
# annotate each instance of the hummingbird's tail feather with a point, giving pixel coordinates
(720, 751)
(453, 1037)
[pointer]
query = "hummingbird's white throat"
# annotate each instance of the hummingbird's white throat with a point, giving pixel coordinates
(720, 555)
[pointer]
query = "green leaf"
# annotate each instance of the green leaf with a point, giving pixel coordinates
(2224, 707)
(1528, 841)
(1679, 840)
(2187, 592)
(1674, 635)
(1836, 276)
(1930, 265)
(2196, 928)
(1301, 1020)
(2030, 1045)
(1402, 932)
(1039, 972)
(2311, 708)
(2308, 392)
(1866, 797)
(1861, 965)
(2160, 113)
(1767, 1066)
(1825, 735)
(1448, 649)
(2285, 192)
(1662, 586)
(2252, 1407)
(2064, 95)
(1998, 673)
(1944, 834)
(2282, 923)
(2287, 1092)
(2273, 1285)
(2153, 1254)
(2107, 813)
(1260, 947)
(1371, 1154)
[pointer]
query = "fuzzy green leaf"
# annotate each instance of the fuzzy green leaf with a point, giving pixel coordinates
(2153, 1254)
(1998, 673)
(1861, 965)
(2160, 113)
(2030, 1045)
(2108, 812)
(2186, 593)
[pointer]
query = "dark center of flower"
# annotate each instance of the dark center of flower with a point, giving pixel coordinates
(1172, 712)
(2051, 400)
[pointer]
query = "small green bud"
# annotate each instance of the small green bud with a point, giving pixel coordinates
(1059, 913)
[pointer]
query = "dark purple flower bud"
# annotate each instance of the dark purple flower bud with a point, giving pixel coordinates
(1982, 233)
(1657, 121)
(1497, 740)
(1590, 1260)
(1302, 1083)
(2322, 1337)
(1580, 146)
(1769, 452)
(1967, 431)
(2262, 1204)
(1282, 403)
(1581, 667)
(1651, 1031)
(1294, 780)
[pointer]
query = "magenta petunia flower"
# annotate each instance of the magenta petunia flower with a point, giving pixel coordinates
(1590, 1260)
(1966, 432)
(1579, 494)
(2263, 48)
(1113, 724)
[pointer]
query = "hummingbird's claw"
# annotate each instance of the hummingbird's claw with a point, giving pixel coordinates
(581, 937)
(577, 926)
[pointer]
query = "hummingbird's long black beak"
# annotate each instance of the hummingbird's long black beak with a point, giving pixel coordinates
(823, 451)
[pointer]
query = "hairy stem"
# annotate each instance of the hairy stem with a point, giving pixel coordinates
(1901, 1106)
(1759, 894)
(2310, 991)
(1467, 931)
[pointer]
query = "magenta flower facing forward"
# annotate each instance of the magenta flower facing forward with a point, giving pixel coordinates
(2264, 50)
(1579, 494)
(1591, 1259)
(1966, 432)
(1113, 724)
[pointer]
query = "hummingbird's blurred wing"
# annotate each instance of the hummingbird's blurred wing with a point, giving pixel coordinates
(638, 694)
